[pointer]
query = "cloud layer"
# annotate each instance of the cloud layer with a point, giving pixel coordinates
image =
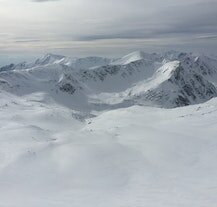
(82, 27)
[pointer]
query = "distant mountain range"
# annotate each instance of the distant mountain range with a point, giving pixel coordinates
(167, 80)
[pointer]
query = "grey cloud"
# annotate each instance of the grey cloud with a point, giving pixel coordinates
(207, 37)
(187, 23)
(27, 41)
(186, 20)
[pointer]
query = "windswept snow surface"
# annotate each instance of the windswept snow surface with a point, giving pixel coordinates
(84, 132)
(138, 156)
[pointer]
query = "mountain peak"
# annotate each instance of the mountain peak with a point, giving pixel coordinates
(137, 56)
(49, 58)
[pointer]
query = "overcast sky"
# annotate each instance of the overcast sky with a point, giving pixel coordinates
(106, 27)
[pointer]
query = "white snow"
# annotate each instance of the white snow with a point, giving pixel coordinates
(132, 57)
(135, 156)
(161, 75)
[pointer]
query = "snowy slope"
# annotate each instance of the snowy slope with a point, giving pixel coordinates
(174, 84)
(54, 156)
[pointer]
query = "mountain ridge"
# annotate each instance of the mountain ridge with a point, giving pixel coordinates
(167, 80)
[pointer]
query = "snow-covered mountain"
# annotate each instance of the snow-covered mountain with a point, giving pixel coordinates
(166, 80)
(86, 132)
